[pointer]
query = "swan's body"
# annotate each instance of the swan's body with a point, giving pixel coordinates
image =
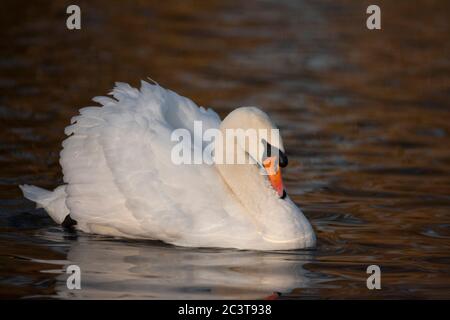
(120, 180)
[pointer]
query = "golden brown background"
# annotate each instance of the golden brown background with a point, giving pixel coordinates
(365, 117)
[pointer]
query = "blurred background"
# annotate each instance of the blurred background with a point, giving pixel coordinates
(365, 118)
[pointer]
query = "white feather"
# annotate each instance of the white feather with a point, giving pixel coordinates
(120, 180)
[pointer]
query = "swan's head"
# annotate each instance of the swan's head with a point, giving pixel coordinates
(251, 132)
(257, 183)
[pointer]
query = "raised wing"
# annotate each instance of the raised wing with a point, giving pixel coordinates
(119, 174)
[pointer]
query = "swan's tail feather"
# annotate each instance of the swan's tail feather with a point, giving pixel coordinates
(54, 202)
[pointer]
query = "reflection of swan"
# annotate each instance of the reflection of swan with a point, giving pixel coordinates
(121, 181)
(122, 269)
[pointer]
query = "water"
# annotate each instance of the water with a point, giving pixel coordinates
(364, 115)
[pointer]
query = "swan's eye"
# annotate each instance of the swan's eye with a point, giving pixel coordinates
(271, 150)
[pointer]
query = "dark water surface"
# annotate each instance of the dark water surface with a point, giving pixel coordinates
(365, 117)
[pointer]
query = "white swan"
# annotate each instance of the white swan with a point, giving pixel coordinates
(120, 180)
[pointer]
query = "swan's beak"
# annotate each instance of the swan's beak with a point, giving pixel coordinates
(274, 174)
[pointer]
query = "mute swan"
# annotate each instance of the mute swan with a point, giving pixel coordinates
(120, 179)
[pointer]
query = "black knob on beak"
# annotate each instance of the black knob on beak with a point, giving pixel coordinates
(283, 159)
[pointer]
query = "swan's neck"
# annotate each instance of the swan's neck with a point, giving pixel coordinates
(276, 219)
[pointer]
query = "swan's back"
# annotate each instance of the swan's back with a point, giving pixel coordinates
(119, 174)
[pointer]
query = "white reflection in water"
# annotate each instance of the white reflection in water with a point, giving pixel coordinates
(123, 269)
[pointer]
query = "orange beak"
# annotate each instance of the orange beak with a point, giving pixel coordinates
(274, 174)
